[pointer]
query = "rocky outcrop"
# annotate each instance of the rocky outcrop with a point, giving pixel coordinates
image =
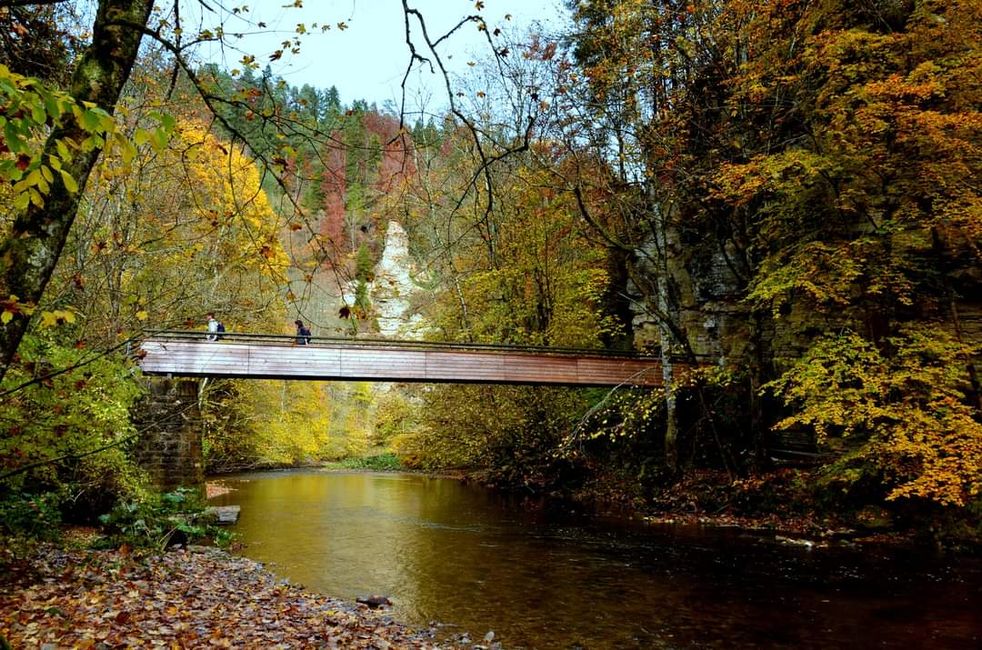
(393, 288)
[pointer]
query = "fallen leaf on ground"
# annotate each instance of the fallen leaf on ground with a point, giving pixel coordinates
(191, 598)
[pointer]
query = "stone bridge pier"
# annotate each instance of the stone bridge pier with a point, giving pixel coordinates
(169, 421)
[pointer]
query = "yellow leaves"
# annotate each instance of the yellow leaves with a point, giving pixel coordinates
(786, 173)
(908, 408)
(823, 273)
(946, 448)
(69, 181)
(57, 317)
(291, 421)
(12, 306)
(231, 207)
(849, 56)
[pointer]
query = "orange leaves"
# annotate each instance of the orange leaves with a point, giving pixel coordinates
(915, 87)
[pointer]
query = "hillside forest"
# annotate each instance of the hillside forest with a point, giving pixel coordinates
(779, 198)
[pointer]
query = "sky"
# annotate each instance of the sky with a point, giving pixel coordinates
(368, 59)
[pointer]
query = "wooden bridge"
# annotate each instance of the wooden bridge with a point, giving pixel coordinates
(257, 356)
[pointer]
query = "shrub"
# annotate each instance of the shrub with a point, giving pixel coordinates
(29, 515)
(159, 521)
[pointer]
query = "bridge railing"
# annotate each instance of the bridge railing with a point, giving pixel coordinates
(289, 339)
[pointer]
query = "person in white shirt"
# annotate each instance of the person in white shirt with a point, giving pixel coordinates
(212, 328)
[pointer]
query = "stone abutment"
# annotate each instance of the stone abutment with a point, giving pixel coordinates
(170, 426)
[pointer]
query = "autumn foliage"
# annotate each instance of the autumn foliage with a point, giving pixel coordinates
(807, 175)
(783, 193)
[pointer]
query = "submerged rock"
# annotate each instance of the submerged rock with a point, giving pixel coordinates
(374, 602)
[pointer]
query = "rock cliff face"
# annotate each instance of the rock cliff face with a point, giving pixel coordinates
(393, 287)
(392, 290)
(691, 303)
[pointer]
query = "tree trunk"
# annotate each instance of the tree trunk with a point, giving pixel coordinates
(38, 235)
(669, 332)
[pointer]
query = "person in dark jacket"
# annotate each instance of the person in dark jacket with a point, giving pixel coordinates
(303, 333)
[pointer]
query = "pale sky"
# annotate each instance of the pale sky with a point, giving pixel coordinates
(368, 59)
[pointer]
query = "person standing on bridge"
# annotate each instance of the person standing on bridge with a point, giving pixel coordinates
(303, 333)
(212, 328)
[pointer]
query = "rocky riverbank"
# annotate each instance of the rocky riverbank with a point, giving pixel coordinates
(186, 598)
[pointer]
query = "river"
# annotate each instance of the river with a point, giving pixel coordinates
(541, 576)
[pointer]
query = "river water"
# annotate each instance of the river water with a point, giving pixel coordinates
(541, 576)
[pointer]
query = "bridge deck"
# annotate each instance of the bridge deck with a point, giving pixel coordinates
(356, 361)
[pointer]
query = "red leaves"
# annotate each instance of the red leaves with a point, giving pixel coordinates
(183, 599)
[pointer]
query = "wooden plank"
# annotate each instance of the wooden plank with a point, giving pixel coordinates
(614, 371)
(188, 358)
(223, 515)
(536, 369)
(387, 364)
(444, 366)
(300, 361)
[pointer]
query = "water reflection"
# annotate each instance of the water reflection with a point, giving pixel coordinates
(542, 578)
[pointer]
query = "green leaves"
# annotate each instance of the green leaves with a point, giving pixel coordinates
(156, 137)
(155, 520)
(29, 112)
(72, 409)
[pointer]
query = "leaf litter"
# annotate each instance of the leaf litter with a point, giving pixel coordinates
(199, 597)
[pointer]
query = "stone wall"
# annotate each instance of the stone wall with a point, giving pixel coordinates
(171, 433)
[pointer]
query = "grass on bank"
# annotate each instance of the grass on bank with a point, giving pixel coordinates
(387, 462)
